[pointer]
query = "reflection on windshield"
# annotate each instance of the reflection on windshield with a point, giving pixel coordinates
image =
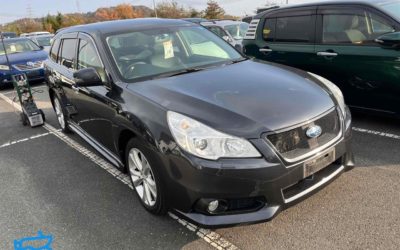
(18, 46)
(167, 51)
(393, 9)
(237, 31)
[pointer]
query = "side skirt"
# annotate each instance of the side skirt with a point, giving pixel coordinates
(111, 157)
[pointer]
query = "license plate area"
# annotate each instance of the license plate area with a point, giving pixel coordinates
(315, 165)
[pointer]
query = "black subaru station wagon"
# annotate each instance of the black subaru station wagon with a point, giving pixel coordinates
(202, 131)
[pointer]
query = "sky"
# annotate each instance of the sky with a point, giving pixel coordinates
(15, 9)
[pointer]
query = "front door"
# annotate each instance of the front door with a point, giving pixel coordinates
(367, 73)
(288, 38)
(96, 109)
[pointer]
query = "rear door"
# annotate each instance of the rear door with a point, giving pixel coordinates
(367, 73)
(288, 37)
(63, 72)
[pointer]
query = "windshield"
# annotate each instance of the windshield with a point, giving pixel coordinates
(156, 52)
(392, 8)
(237, 31)
(18, 46)
(43, 40)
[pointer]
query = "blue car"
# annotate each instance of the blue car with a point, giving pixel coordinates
(24, 57)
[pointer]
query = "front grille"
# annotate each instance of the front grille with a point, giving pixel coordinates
(30, 66)
(294, 143)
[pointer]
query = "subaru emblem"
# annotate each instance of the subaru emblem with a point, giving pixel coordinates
(30, 64)
(314, 131)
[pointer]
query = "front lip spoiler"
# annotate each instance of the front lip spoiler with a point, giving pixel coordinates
(218, 221)
(264, 214)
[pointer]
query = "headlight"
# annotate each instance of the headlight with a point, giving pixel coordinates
(4, 67)
(205, 142)
(336, 92)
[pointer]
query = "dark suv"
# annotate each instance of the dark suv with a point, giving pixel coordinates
(355, 44)
(200, 129)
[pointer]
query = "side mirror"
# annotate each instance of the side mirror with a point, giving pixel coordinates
(389, 40)
(227, 38)
(87, 77)
(41, 47)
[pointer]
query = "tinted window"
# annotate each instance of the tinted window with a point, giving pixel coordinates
(88, 58)
(217, 30)
(294, 29)
(269, 29)
(358, 28)
(67, 56)
(237, 31)
(54, 50)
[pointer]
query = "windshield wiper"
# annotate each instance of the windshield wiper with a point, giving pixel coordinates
(180, 72)
(239, 60)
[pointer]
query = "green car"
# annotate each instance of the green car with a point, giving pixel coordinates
(355, 44)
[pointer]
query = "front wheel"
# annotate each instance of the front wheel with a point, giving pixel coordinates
(62, 121)
(144, 177)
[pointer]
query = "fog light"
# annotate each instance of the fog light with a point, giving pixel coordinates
(213, 206)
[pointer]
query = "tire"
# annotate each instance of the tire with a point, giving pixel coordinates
(147, 183)
(61, 115)
(43, 116)
(24, 119)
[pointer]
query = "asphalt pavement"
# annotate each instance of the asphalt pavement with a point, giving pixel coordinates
(60, 186)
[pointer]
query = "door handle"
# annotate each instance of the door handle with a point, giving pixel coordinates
(265, 50)
(75, 88)
(326, 53)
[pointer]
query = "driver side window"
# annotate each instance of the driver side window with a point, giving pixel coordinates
(88, 58)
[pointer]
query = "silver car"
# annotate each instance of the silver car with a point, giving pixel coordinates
(231, 31)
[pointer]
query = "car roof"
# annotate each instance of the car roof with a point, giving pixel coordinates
(322, 3)
(221, 23)
(17, 39)
(125, 25)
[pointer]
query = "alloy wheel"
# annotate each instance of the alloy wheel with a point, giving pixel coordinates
(59, 113)
(142, 177)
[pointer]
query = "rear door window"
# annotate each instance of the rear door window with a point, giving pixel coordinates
(353, 27)
(54, 50)
(269, 29)
(68, 53)
(294, 29)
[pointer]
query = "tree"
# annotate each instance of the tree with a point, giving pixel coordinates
(171, 10)
(213, 10)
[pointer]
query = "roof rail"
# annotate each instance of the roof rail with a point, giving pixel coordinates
(262, 9)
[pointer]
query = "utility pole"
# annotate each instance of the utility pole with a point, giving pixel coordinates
(155, 7)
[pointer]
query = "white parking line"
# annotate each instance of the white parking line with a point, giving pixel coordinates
(10, 143)
(209, 236)
(379, 133)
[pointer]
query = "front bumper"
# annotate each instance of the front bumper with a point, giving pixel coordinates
(35, 75)
(269, 179)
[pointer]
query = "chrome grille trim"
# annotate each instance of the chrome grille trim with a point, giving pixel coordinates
(312, 151)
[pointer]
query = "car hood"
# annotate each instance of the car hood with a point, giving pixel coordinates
(23, 57)
(243, 99)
